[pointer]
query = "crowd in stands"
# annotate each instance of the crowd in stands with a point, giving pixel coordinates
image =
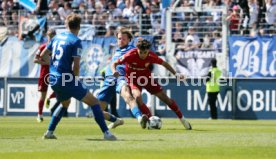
(146, 17)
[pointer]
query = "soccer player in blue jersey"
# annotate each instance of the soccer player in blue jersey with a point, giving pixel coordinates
(111, 85)
(65, 50)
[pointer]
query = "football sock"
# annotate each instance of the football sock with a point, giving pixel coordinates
(136, 112)
(56, 117)
(99, 117)
(40, 106)
(176, 109)
(145, 110)
(55, 106)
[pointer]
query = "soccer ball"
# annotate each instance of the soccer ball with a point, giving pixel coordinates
(154, 123)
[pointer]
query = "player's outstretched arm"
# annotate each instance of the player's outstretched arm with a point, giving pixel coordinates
(113, 68)
(169, 67)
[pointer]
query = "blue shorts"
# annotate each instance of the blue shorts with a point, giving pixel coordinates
(69, 89)
(110, 87)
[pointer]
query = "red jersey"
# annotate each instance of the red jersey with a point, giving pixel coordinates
(44, 68)
(135, 64)
(234, 22)
(44, 71)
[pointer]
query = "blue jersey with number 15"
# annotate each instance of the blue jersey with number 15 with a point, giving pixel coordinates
(64, 47)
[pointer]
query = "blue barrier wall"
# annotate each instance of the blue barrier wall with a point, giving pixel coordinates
(238, 99)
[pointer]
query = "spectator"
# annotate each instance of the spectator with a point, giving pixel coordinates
(99, 19)
(217, 44)
(88, 16)
(253, 12)
(14, 22)
(270, 15)
(135, 17)
(41, 7)
(229, 4)
(192, 40)
(128, 10)
(178, 32)
(206, 44)
(53, 15)
(121, 4)
(76, 3)
(113, 11)
(104, 4)
(91, 5)
(155, 16)
(234, 20)
(146, 23)
(6, 6)
(245, 16)
(65, 11)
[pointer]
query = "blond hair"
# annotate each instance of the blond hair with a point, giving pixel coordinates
(124, 30)
(73, 21)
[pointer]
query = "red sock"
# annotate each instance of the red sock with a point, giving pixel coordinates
(176, 109)
(145, 110)
(40, 106)
(53, 95)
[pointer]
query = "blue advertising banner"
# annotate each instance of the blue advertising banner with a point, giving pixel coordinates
(255, 99)
(238, 98)
(23, 97)
(192, 99)
(252, 56)
(1, 95)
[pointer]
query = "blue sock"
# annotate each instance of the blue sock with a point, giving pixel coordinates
(136, 112)
(56, 117)
(112, 118)
(99, 117)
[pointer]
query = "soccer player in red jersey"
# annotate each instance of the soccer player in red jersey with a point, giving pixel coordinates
(43, 81)
(139, 76)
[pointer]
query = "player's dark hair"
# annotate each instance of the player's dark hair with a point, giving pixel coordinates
(143, 44)
(124, 31)
(214, 62)
(73, 21)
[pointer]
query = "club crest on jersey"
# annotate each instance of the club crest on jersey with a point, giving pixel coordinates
(147, 64)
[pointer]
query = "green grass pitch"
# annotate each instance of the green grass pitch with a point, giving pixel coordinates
(80, 138)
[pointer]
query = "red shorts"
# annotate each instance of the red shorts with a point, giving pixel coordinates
(43, 81)
(150, 84)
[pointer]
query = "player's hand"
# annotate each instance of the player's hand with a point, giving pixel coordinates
(179, 76)
(116, 74)
(36, 61)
